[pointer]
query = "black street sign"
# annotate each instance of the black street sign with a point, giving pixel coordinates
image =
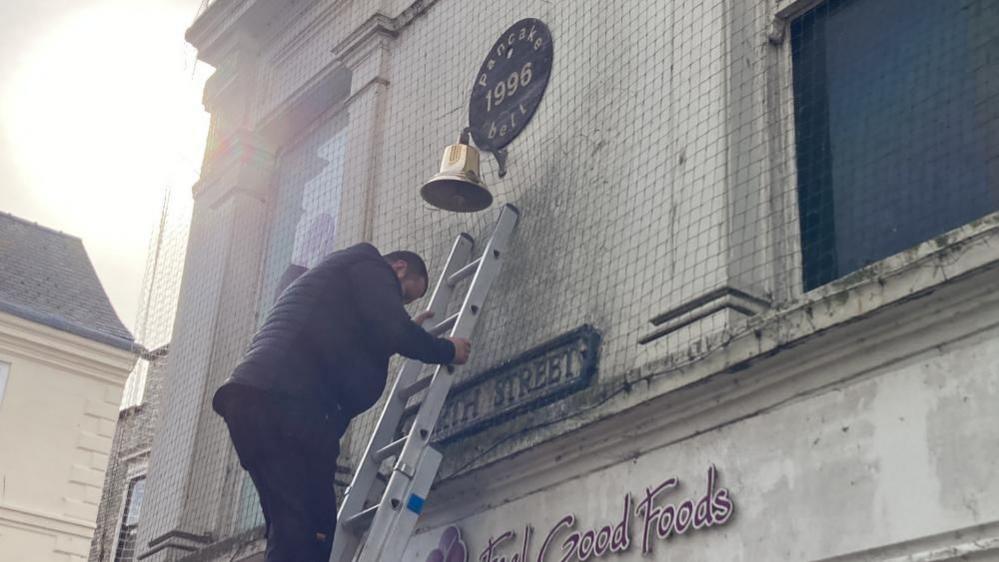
(545, 373)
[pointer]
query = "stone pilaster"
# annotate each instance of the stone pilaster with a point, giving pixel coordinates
(365, 52)
(215, 319)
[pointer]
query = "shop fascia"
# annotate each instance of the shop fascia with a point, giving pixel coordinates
(646, 518)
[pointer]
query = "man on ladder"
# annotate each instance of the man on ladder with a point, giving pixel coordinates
(373, 525)
(320, 359)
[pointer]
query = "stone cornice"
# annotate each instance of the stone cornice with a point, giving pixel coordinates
(208, 34)
(243, 163)
(211, 31)
(230, 30)
(787, 9)
(207, 27)
(65, 351)
(298, 111)
(377, 27)
(39, 521)
(249, 24)
(320, 21)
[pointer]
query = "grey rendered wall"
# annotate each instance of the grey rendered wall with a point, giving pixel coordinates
(627, 179)
(875, 441)
(648, 176)
(657, 168)
(639, 178)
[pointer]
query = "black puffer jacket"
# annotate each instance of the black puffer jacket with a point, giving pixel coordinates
(328, 339)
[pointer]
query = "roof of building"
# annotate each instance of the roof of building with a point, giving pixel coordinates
(47, 277)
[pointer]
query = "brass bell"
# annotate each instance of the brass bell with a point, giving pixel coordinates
(457, 187)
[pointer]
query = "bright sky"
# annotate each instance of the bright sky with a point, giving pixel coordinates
(100, 110)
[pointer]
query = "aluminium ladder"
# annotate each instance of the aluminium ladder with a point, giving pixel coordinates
(390, 521)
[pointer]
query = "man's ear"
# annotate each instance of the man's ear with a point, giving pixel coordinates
(400, 267)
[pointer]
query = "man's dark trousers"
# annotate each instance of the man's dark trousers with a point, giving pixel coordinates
(290, 451)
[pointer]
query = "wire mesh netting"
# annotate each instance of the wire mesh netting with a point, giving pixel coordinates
(160, 285)
(683, 156)
(893, 116)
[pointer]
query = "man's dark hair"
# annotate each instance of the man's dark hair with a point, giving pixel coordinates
(415, 264)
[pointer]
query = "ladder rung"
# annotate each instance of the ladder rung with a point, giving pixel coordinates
(464, 272)
(407, 392)
(387, 451)
(445, 325)
(359, 518)
(410, 410)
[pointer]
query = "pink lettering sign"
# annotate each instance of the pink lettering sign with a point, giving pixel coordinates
(564, 542)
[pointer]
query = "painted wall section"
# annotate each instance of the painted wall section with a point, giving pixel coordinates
(873, 442)
(57, 418)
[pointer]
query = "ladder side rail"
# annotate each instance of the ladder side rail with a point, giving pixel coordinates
(394, 515)
(460, 255)
(430, 409)
(489, 268)
(390, 523)
(364, 476)
(407, 519)
(346, 540)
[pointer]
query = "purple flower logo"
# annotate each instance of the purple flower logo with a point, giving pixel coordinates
(450, 549)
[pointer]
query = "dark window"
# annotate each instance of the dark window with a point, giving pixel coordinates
(125, 551)
(897, 122)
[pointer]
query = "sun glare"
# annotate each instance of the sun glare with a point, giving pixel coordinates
(103, 112)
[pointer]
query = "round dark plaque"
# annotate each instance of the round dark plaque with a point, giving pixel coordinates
(509, 86)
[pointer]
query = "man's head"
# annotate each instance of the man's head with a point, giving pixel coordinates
(412, 273)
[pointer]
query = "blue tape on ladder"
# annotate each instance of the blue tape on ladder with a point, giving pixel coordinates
(415, 503)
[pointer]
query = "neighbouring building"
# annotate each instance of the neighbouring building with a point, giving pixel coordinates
(125, 479)
(64, 358)
(749, 312)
